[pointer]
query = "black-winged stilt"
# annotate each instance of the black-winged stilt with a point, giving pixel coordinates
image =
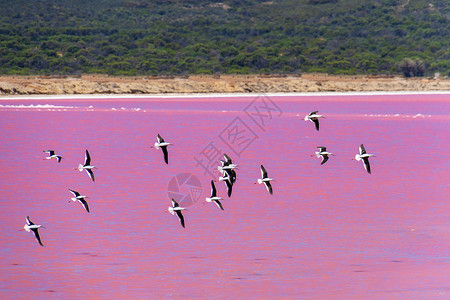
(364, 156)
(266, 180)
(51, 154)
(30, 226)
(163, 145)
(175, 208)
(226, 178)
(323, 153)
(78, 197)
(87, 166)
(314, 117)
(214, 197)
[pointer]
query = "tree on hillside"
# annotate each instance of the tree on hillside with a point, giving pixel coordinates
(412, 67)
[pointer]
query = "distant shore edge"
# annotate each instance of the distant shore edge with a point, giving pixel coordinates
(214, 84)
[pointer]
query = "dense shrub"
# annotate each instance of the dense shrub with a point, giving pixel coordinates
(224, 36)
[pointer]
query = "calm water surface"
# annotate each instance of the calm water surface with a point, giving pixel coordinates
(328, 232)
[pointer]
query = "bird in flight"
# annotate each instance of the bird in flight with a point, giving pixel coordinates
(266, 180)
(314, 117)
(175, 208)
(163, 145)
(364, 156)
(78, 197)
(87, 166)
(30, 226)
(51, 154)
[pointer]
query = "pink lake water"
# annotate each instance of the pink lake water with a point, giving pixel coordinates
(329, 231)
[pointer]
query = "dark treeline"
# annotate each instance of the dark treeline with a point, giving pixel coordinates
(144, 37)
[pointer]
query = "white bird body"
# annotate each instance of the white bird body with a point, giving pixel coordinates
(78, 198)
(213, 199)
(319, 154)
(172, 210)
(53, 156)
(262, 180)
(358, 157)
(28, 228)
(225, 178)
(229, 167)
(314, 116)
(81, 167)
(159, 145)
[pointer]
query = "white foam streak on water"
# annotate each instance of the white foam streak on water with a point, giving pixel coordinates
(37, 106)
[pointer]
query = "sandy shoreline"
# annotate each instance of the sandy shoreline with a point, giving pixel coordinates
(204, 84)
(229, 96)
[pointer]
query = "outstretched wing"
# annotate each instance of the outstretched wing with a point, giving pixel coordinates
(269, 187)
(324, 158)
(38, 238)
(362, 150)
(29, 223)
(366, 164)
(322, 149)
(75, 193)
(228, 158)
(233, 176)
(59, 158)
(313, 112)
(91, 174)
(229, 187)
(87, 159)
(160, 139)
(316, 123)
(213, 189)
(85, 204)
(180, 215)
(263, 172)
(219, 204)
(166, 154)
(174, 203)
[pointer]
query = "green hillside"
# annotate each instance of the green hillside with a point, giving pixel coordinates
(143, 37)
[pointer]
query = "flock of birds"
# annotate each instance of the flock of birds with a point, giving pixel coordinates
(227, 170)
